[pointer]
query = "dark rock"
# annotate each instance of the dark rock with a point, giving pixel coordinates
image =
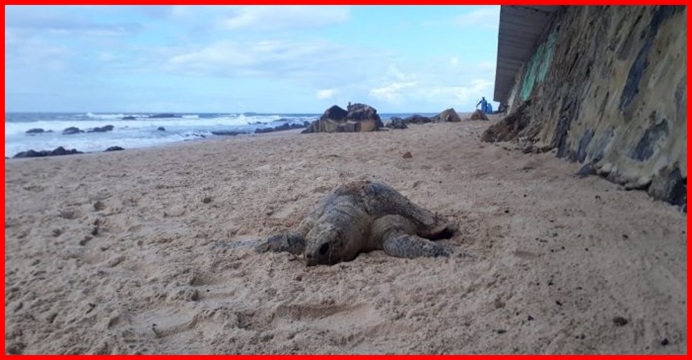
(35, 131)
(448, 115)
(598, 150)
(665, 342)
(417, 119)
(509, 127)
(620, 321)
(335, 113)
(227, 133)
(669, 185)
(57, 152)
(407, 155)
(72, 130)
(568, 112)
(585, 171)
(646, 146)
(283, 127)
(584, 142)
(102, 129)
(163, 116)
(129, 117)
(478, 115)
(396, 123)
(161, 128)
(114, 148)
(631, 89)
(358, 118)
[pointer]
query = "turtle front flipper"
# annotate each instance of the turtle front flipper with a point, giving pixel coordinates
(292, 242)
(412, 246)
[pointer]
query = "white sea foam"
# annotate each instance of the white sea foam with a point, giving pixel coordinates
(141, 132)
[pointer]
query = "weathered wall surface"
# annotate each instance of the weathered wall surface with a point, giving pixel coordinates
(608, 87)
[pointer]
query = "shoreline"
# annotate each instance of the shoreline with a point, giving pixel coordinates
(170, 144)
(109, 245)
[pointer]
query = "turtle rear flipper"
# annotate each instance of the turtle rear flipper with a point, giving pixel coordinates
(441, 231)
(397, 236)
(412, 246)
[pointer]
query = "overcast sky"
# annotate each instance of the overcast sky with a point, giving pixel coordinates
(266, 59)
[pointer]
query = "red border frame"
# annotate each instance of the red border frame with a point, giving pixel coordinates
(343, 2)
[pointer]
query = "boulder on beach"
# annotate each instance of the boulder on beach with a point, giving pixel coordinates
(396, 123)
(449, 115)
(102, 129)
(417, 119)
(478, 115)
(129, 117)
(510, 126)
(57, 152)
(72, 130)
(161, 128)
(114, 148)
(357, 118)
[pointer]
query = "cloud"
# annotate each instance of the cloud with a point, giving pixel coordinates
(319, 63)
(391, 93)
(326, 94)
(432, 88)
(61, 21)
(485, 17)
(454, 61)
(285, 17)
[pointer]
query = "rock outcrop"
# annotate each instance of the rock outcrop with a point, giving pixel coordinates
(163, 116)
(449, 115)
(510, 126)
(37, 131)
(283, 127)
(478, 115)
(72, 130)
(57, 152)
(102, 129)
(417, 119)
(608, 86)
(357, 118)
(114, 148)
(396, 123)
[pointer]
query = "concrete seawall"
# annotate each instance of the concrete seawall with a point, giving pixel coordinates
(607, 86)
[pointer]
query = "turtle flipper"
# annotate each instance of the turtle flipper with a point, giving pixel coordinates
(292, 242)
(412, 246)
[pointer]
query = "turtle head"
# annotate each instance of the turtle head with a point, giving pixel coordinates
(324, 246)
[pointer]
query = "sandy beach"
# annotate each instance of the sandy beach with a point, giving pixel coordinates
(149, 251)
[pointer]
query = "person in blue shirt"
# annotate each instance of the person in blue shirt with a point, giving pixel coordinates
(484, 104)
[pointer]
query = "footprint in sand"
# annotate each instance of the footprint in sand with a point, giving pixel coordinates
(356, 317)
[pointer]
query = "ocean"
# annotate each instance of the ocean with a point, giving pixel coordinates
(134, 130)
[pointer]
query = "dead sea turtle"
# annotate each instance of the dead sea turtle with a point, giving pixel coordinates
(359, 217)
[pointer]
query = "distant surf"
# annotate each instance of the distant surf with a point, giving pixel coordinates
(133, 130)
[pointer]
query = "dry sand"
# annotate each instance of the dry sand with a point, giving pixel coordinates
(146, 251)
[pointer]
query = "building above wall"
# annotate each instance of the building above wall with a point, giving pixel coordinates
(520, 27)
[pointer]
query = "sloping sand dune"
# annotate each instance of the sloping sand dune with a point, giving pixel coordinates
(148, 251)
